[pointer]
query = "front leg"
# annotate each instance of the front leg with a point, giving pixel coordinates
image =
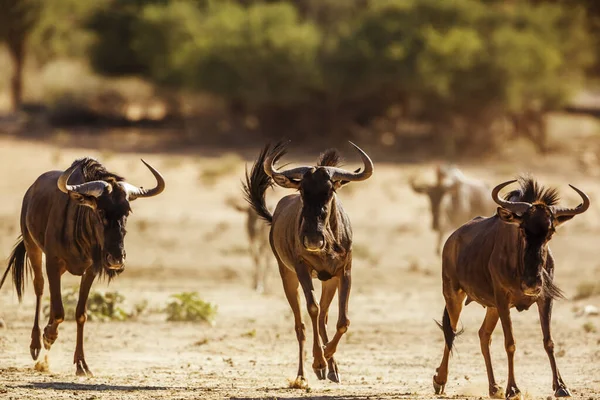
(343, 321)
(80, 315)
(512, 391)
(545, 311)
(54, 270)
(319, 363)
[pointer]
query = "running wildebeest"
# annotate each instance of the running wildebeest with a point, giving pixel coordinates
(258, 243)
(501, 262)
(77, 219)
(454, 199)
(311, 237)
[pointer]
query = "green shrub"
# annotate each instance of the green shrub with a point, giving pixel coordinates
(101, 306)
(188, 306)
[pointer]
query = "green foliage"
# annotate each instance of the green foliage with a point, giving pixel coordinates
(188, 306)
(108, 306)
(61, 31)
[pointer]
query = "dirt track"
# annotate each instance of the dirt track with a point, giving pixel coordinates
(187, 239)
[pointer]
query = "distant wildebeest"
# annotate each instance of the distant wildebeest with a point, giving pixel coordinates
(501, 262)
(454, 200)
(258, 244)
(77, 219)
(311, 237)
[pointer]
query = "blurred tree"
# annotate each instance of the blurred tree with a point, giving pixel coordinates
(61, 30)
(17, 19)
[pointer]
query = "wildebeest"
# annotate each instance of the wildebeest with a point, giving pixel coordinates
(77, 219)
(501, 262)
(258, 243)
(311, 237)
(454, 199)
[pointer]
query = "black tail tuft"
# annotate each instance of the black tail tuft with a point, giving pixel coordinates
(16, 262)
(449, 333)
(257, 182)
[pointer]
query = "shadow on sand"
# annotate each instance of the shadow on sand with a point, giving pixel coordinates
(91, 387)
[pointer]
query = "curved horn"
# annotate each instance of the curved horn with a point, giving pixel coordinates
(517, 207)
(338, 174)
(558, 212)
(282, 178)
(94, 188)
(135, 192)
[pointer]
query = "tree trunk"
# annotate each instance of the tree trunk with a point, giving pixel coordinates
(17, 53)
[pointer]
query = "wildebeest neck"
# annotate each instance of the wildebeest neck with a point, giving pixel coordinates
(533, 258)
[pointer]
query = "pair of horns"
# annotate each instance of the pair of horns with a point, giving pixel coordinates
(97, 188)
(520, 207)
(295, 174)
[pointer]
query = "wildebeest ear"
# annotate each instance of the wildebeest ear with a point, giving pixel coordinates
(562, 219)
(508, 216)
(82, 200)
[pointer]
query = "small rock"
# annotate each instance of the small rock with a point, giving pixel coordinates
(2, 323)
(588, 310)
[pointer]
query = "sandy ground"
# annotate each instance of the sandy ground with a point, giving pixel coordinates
(187, 239)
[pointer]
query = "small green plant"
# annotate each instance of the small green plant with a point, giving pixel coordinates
(250, 334)
(101, 306)
(188, 306)
(587, 289)
(224, 166)
(589, 327)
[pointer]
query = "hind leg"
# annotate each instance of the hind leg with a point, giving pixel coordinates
(35, 257)
(454, 305)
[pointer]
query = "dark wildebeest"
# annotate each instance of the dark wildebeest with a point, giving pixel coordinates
(454, 200)
(258, 244)
(501, 262)
(311, 237)
(77, 219)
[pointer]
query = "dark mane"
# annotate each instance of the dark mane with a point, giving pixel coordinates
(532, 192)
(92, 170)
(330, 158)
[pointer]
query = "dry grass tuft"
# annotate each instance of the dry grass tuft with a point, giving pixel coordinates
(298, 383)
(586, 290)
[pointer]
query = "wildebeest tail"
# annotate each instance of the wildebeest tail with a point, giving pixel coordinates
(449, 333)
(257, 183)
(16, 263)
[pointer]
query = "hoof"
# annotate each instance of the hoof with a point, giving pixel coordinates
(562, 392)
(35, 352)
(334, 376)
(496, 392)
(83, 370)
(514, 395)
(439, 389)
(47, 342)
(321, 373)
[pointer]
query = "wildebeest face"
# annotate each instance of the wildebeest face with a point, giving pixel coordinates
(316, 190)
(111, 210)
(536, 225)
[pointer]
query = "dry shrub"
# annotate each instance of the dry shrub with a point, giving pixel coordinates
(586, 290)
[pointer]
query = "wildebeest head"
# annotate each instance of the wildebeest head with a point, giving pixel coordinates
(534, 210)
(435, 193)
(317, 186)
(109, 197)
